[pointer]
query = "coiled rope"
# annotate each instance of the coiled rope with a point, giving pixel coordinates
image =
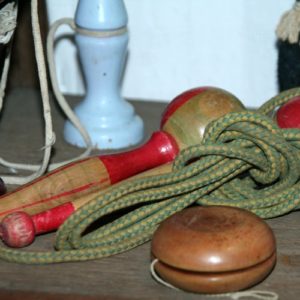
(244, 160)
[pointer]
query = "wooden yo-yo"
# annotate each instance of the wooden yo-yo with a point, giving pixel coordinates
(215, 249)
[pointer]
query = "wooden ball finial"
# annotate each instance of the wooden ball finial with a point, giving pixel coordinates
(187, 116)
(17, 230)
(288, 115)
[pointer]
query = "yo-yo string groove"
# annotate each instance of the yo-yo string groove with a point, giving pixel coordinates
(256, 294)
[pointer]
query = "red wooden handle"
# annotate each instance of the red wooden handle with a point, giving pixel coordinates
(160, 149)
(83, 177)
(19, 228)
(183, 124)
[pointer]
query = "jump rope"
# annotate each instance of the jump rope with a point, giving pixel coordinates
(244, 160)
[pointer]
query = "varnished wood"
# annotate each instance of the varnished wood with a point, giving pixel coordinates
(163, 169)
(188, 122)
(63, 185)
(83, 177)
(213, 239)
(124, 276)
(215, 249)
(216, 283)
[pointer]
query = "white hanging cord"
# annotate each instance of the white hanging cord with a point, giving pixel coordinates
(52, 71)
(9, 15)
(49, 134)
(59, 97)
(8, 23)
(254, 294)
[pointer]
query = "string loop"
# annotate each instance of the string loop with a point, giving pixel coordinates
(254, 294)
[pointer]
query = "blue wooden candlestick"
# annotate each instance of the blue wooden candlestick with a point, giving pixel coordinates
(102, 40)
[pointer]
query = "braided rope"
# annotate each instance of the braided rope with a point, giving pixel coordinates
(244, 160)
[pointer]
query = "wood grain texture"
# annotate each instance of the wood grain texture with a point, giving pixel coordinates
(213, 249)
(214, 239)
(123, 276)
(64, 184)
(188, 122)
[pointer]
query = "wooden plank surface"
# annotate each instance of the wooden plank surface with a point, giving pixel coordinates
(123, 276)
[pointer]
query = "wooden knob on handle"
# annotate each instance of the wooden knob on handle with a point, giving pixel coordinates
(17, 230)
(187, 116)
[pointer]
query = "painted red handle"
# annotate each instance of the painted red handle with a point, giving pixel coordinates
(19, 229)
(83, 177)
(161, 148)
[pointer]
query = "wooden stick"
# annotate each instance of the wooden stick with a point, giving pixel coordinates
(19, 229)
(81, 178)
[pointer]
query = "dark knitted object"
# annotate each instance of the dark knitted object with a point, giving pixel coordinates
(288, 65)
